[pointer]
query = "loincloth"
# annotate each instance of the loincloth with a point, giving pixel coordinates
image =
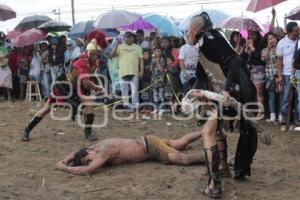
(158, 149)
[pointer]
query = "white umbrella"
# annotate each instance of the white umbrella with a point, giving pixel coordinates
(115, 19)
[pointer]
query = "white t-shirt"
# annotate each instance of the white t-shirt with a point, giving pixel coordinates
(190, 55)
(144, 44)
(286, 48)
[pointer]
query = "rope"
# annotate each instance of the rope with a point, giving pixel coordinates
(178, 101)
(144, 90)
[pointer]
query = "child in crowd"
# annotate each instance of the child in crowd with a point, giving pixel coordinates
(158, 76)
(146, 81)
(23, 73)
(172, 82)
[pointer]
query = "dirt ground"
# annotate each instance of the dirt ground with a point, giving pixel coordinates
(27, 169)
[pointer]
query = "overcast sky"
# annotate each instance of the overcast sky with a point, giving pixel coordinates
(90, 9)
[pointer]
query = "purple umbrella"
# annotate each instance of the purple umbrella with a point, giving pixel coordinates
(240, 23)
(6, 13)
(294, 14)
(138, 24)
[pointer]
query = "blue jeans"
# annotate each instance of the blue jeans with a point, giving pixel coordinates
(46, 84)
(284, 98)
(134, 85)
(188, 85)
(271, 101)
(56, 71)
(298, 89)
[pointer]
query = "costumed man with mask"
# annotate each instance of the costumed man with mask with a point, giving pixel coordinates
(79, 76)
(216, 48)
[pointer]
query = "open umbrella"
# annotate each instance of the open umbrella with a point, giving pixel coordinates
(163, 24)
(14, 34)
(32, 22)
(216, 17)
(54, 26)
(29, 37)
(240, 23)
(6, 13)
(294, 14)
(257, 5)
(81, 29)
(138, 24)
(115, 19)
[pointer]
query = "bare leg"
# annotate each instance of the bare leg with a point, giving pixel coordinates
(186, 159)
(209, 131)
(180, 143)
(214, 188)
(44, 110)
(260, 97)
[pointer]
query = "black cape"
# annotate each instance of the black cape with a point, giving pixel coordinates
(216, 48)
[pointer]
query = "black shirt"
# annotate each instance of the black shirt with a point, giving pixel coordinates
(296, 56)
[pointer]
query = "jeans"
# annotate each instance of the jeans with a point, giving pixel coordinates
(134, 85)
(187, 85)
(284, 98)
(46, 83)
(271, 101)
(298, 89)
(158, 96)
(56, 71)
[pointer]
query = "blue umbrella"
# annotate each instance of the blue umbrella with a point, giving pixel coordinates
(81, 29)
(163, 24)
(216, 17)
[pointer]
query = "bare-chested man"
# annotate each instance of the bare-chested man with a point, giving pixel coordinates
(119, 151)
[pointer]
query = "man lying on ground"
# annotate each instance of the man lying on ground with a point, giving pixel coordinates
(115, 151)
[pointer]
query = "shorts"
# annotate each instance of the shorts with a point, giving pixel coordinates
(158, 149)
(258, 74)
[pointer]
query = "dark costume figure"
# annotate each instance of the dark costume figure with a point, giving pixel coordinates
(82, 67)
(216, 48)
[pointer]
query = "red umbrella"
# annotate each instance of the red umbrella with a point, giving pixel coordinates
(29, 37)
(241, 23)
(294, 14)
(14, 34)
(257, 5)
(6, 13)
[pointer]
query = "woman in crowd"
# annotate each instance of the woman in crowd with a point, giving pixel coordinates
(168, 50)
(237, 41)
(5, 73)
(45, 68)
(146, 81)
(252, 55)
(269, 56)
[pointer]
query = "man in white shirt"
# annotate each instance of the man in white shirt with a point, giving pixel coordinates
(188, 58)
(285, 51)
(140, 37)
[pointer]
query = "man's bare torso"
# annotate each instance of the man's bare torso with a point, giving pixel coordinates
(119, 150)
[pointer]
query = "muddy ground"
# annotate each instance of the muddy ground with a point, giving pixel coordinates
(27, 169)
